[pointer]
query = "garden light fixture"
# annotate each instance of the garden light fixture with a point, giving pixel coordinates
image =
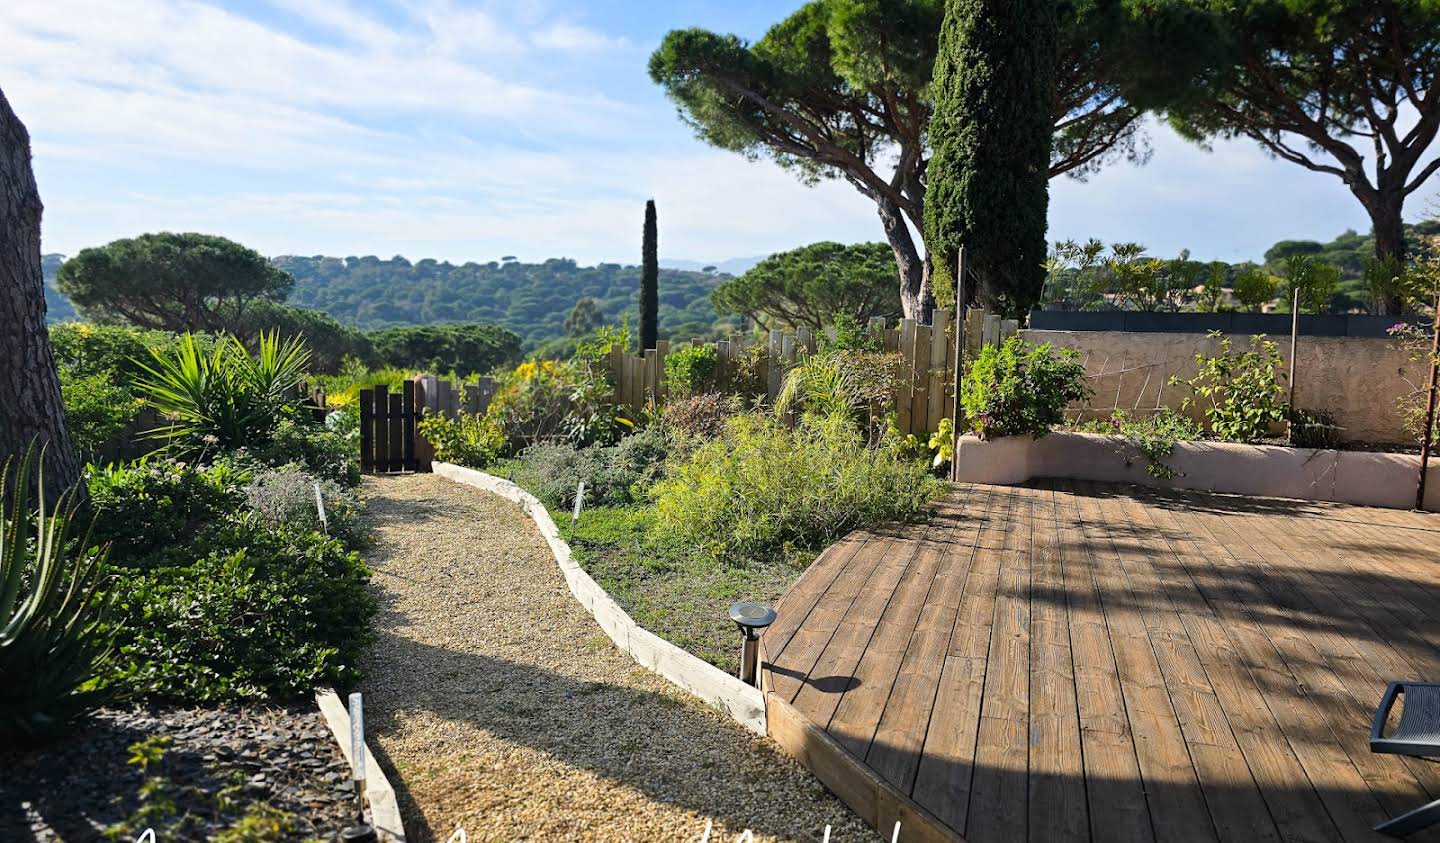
(361, 832)
(752, 618)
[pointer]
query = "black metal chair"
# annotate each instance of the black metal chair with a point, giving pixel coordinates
(1417, 734)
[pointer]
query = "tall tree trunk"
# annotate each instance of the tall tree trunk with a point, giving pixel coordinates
(916, 298)
(30, 407)
(1386, 211)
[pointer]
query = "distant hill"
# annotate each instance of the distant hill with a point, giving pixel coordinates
(57, 307)
(733, 266)
(531, 299)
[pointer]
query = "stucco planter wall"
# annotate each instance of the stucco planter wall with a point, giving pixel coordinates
(1355, 477)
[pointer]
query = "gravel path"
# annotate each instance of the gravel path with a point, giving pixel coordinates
(500, 707)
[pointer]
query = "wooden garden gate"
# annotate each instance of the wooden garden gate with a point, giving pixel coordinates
(387, 430)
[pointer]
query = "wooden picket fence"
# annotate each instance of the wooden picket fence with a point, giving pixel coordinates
(923, 397)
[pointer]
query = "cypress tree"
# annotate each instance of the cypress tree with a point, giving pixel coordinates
(994, 90)
(649, 281)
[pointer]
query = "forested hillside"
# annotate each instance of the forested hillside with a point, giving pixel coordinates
(529, 299)
(57, 307)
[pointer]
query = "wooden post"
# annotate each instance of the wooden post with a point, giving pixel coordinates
(1294, 341)
(410, 458)
(905, 392)
(1428, 431)
(424, 399)
(957, 413)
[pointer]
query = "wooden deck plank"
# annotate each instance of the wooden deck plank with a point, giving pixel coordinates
(1236, 806)
(1297, 811)
(833, 671)
(791, 668)
(1062, 661)
(1165, 762)
(895, 751)
(1278, 662)
(1057, 777)
(876, 664)
(999, 790)
(947, 759)
(1116, 795)
(1332, 670)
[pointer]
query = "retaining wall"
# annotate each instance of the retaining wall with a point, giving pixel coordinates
(1354, 477)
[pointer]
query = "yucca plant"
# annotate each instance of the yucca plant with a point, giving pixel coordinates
(53, 638)
(225, 398)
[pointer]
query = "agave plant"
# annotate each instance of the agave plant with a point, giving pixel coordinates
(53, 631)
(225, 398)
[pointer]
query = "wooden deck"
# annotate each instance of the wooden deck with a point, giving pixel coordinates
(1070, 661)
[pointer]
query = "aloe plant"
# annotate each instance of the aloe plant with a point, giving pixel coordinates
(54, 637)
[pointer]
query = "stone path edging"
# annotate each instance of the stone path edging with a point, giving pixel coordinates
(379, 795)
(745, 704)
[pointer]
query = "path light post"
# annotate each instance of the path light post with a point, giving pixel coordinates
(361, 832)
(751, 618)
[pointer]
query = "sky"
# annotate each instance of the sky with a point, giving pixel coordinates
(470, 130)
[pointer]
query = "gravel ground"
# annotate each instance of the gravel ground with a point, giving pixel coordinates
(218, 765)
(500, 707)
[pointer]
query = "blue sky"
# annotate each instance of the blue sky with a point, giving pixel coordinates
(468, 130)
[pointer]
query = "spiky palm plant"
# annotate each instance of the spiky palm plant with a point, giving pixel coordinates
(225, 398)
(53, 631)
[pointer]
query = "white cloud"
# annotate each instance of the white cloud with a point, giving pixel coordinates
(472, 131)
(570, 36)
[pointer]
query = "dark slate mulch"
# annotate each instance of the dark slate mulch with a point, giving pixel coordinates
(220, 764)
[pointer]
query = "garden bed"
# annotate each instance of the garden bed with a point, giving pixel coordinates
(683, 598)
(1365, 478)
(232, 773)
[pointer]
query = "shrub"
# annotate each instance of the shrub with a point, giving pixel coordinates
(245, 612)
(1154, 436)
(112, 350)
(614, 475)
(1241, 390)
(765, 491)
(285, 497)
(1021, 389)
(95, 408)
(143, 506)
(699, 416)
(223, 399)
(53, 611)
(851, 335)
(1254, 288)
(545, 401)
(468, 439)
(690, 370)
(325, 453)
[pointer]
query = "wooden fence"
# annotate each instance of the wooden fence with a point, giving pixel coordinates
(756, 366)
(389, 420)
(923, 396)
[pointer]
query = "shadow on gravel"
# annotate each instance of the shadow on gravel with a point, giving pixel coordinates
(645, 740)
